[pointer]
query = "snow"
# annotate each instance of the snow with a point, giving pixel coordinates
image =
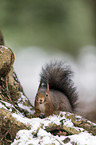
(84, 139)
(22, 98)
(29, 109)
(38, 135)
(2, 106)
(25, 138)
(35, 122)
(8, 105)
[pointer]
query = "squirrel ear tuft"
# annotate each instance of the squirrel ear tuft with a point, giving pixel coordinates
(47, 87)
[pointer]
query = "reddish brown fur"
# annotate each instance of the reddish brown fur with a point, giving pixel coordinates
(54, 101)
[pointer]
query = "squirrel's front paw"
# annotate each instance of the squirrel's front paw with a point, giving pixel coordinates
(41, 115)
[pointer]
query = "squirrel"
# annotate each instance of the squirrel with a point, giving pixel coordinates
(56, 91)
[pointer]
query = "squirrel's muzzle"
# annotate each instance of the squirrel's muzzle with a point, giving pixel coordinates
(40, 101)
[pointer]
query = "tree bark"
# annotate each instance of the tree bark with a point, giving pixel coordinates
(12, 98)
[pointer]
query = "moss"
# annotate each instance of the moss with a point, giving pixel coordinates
(9, 126)
(66, 140)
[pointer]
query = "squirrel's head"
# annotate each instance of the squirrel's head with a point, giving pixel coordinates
(42, 95)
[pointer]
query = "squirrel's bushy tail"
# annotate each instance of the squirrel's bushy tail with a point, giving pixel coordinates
(59, 78)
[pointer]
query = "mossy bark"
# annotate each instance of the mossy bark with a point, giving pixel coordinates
(10, 89)
(12, 98)
(82, 123)
(9, 126)
(78, 121)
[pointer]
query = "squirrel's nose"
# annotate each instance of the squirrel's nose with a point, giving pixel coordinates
(40, 101)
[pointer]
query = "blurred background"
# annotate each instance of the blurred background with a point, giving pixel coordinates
(39, 31)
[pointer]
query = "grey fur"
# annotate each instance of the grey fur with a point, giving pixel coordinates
(59, 79)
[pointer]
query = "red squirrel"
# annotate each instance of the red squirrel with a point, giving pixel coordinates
(56, 90)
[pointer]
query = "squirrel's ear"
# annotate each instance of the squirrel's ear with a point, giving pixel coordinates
(39, 87)
(47, 87)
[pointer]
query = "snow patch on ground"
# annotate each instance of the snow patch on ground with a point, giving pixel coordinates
(38, 135)
(84, 139)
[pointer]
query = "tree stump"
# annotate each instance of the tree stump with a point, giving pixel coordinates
(12, 98)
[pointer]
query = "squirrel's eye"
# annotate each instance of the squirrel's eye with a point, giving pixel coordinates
(46, 94)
